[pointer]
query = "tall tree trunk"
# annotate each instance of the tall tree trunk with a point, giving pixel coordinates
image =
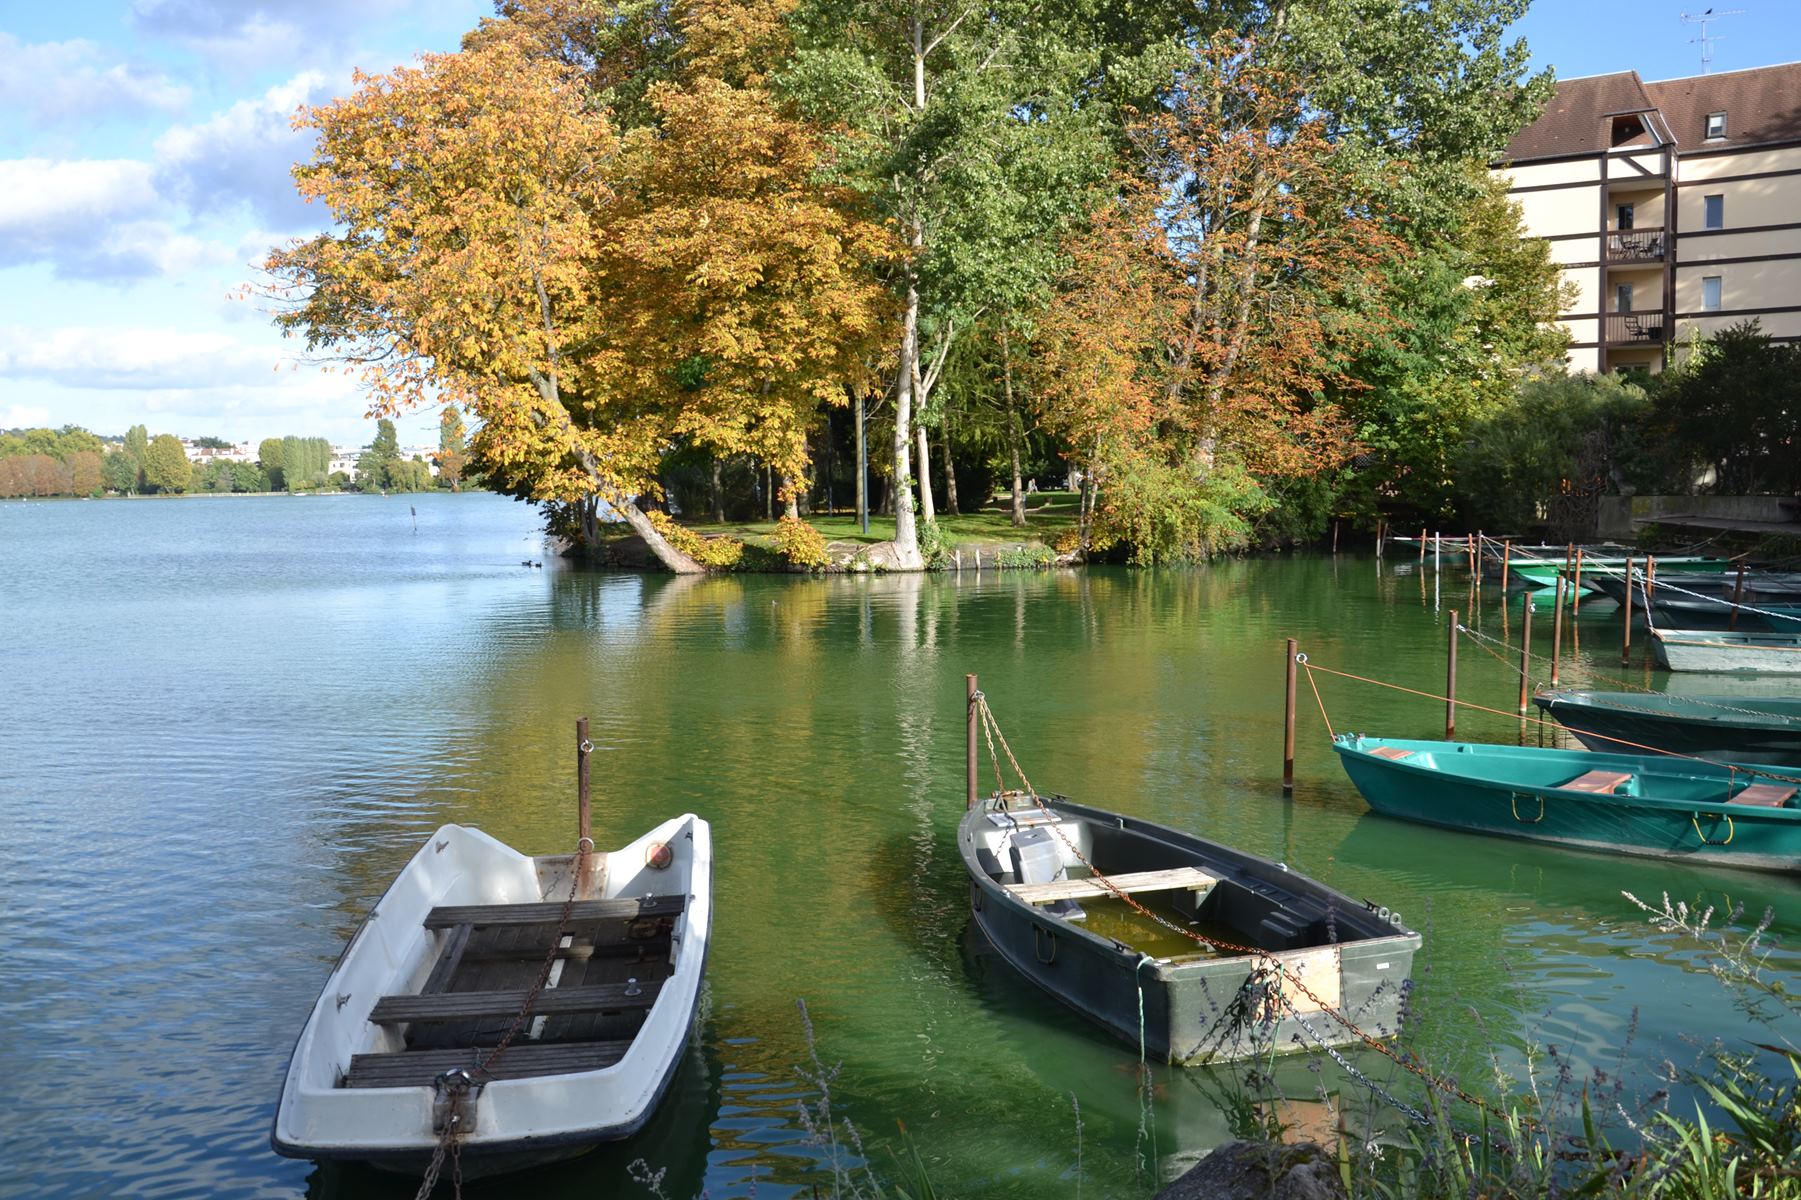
(716, 493)
(862, 465)
(950, 468)
(667, 554)
(926, 508)
(906, 533)
(769, 493)
(790, 497)
(1013, 431)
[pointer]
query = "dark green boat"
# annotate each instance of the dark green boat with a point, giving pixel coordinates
(1619, 803)
(1729, 728)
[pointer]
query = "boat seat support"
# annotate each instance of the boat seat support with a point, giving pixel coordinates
(1769, 795)
(1173, 879)
(421, 1068)
(1600, 783)
(489, 916)
(453, 1006)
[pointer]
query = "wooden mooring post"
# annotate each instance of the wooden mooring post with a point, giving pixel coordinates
(1557, 631)
(1422, 544)
(1650, 590)
(1525, 652)
(584, 808)
(972, 695)
(1451, 679)
(1288, 724)
(1576, 599)
(1738, 596)
(1626, 634)
(1506, 563)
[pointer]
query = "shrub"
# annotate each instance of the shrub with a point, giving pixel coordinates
(1027, 557)
(801, 544)
(936, 546)
(720, 553)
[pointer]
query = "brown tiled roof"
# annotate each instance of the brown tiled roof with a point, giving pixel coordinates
(1574, 118)
(1761, 105)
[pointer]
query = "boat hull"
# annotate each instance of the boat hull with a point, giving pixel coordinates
(1728, 653)
(1190, 1010)
(516, 1122)
(1726, 728)
(1479, 797)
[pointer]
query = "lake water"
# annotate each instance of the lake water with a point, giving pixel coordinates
(225, 724)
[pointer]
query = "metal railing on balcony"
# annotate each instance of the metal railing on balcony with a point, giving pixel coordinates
(1635, 246)
(1628, 329)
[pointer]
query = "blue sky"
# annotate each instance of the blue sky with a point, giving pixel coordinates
(144, 147)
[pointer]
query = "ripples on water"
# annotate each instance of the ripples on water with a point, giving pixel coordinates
(225, 725)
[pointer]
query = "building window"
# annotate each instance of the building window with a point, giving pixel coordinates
(1623, 218)
(1622, 297)
(1710, 293)
(1714, 208)
(1716, 125)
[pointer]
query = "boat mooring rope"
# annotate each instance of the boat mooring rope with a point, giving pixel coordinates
(1407, 1062)
(457, 1084)
(1733, 769)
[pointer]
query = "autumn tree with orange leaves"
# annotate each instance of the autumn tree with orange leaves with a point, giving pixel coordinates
(1208, 310)
(594, 296)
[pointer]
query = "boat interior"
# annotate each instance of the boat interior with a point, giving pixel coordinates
(611, 959)
(1580, 773)
(1049, 860)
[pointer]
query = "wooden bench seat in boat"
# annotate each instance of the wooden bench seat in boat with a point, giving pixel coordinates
(1769, 795)
(489, 916)
(1172, 879)
(453, 1006)
(418, 1068)
(1601, 783)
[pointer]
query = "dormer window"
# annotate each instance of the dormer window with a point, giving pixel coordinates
(1716, 125)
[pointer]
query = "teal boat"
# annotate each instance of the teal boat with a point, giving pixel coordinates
(1542, 572)
(1648, 805)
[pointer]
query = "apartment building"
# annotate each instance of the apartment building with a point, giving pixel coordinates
(1674, 208)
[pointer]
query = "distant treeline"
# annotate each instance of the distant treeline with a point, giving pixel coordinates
(73, 461)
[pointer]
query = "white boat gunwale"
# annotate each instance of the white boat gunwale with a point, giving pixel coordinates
(511, 1112)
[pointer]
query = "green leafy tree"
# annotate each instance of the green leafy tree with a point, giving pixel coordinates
(166, 465)
(1736, 411)
(268, 457)
(453, 448)
(119, 472)
(248, 477)
(212, 443)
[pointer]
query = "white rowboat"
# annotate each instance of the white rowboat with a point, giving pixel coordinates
(439, 972)
(1709, 650)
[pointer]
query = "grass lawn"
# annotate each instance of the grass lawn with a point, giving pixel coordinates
(1047, 515)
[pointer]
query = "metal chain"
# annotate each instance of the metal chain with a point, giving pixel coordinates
(1256, 952)
(450, 1140)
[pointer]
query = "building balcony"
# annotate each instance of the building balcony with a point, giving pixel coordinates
(1634, 329)
(1635, 246)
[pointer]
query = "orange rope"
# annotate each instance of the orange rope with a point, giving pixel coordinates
(1302, 658)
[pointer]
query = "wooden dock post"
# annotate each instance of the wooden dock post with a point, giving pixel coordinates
(1525, 652)
(1650, 590)
(1422, 544)
(1470, 538)
(1451, 679)
(1288, 724)
(1738, 596)
(1626, 636)
(584, 807)
(1557, 630)
(969, 744)
(1576, 599)
(1506, 563)
(1335, 537)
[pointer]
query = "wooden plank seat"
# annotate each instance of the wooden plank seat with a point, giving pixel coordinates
(453, 1006)
(1600, 783)
(1172, 879)
(1769, 795)
(1394, 752)
(489, 916)
(417, 1068)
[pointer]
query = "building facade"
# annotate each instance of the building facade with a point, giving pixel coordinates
(1674, 208)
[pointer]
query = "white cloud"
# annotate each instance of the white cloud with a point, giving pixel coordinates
(182, 360)
(254, 32)
(88, 217)
(243, 156)
(25, 416)
(63, 81)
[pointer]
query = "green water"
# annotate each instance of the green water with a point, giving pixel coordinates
(225, 724)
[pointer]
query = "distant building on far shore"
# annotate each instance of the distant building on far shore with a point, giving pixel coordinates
(1674, 207)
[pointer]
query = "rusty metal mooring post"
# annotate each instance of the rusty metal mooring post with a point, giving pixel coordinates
(1626, 632)
(969, 746)
(1451, 680)
(584, 814)
(1288, 725)
(1525, 651)
(1557, 630)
